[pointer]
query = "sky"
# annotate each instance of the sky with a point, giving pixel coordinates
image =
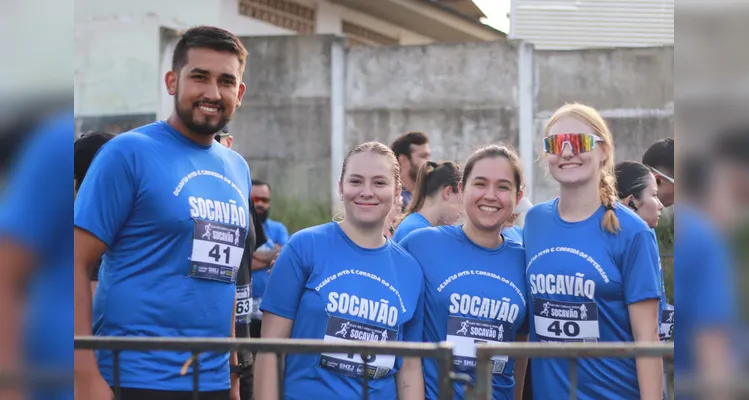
(496, 13)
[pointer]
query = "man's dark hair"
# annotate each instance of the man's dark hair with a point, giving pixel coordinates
(208, 37)
(402, 145)
(258, 182)
(660, 155)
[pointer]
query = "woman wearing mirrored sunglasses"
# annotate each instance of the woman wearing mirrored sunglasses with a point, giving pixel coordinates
(591, 267)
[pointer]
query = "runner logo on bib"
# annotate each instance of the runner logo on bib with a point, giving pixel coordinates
(216, 251)
(340, 330)
(563, 322)
(464, 333)
(667, 324)
(244, 304)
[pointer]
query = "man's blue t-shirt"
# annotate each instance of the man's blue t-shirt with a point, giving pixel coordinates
(472, 294)
(666, 311)
(514, 233)
(35, 211)
(581, 280)
(339, 292)
(409, 224)
(703, 286)
(277, 234)
(174, 216)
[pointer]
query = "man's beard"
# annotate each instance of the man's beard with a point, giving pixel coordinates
(188, 118)
(263, 216)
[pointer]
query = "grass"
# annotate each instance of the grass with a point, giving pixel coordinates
(298, 214)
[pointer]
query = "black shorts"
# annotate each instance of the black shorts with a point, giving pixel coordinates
(255, 325)
(150, 394)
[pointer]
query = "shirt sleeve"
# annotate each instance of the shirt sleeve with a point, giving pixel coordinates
(108, 193)
(37, 201)
(283, 234)
(286, 284)
(413, 330)
(639, 269)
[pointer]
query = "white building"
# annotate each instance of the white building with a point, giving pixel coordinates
(123, 47)
(576, 24)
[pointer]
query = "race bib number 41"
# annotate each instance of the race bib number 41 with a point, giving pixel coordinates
(465, 333)
(563, 322)
(216, 251)
(340, 330)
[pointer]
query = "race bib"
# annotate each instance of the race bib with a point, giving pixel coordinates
(340, 330)
(464, 333)
(216, 251)
(244, 305)
(667, 325)
(563, 322)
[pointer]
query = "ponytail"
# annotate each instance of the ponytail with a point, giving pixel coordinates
(608, 199)
(431, 178)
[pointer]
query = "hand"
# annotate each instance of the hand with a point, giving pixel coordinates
(273, 261)
(92, 387)
(234, 391)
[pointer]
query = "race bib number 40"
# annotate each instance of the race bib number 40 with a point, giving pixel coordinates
(465, 333)
(216, 251)
(340, 330)
(563, 322)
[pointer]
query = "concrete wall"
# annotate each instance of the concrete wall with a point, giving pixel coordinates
(633, 89)
(463, 96)
(284, 127)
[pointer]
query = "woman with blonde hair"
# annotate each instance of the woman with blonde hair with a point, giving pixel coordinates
(591, 267)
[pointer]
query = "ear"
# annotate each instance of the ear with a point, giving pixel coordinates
(229, 141)
(240, 94)
(460, 187)
(446, 191)
(520, 197)
(402, 160)
(398, 189)
(629, 199)
(170, 79)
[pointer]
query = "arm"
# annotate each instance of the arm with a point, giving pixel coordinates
(713, 352)
(410, 380)
(88, 251)
(266, 376)
(233, 359)
(262, 259)
(521, 366)
(16, 266)
(644, 319)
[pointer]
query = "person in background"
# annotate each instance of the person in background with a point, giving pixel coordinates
(660, 159)
(436, 199)
(637, 189)
(487, 301)
(710, 207)
(412, 151)
(591, 267)
(512, 231)
(277, 236)
(225, 138)
(242, 322)
(36, 260)
(84, 150)
(325, 279)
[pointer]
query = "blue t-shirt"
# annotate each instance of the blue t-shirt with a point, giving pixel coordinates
(472, 294)
(36, 212)
(339, 292)
(703, 285)
(277, 234)
(514, 233)
(581, 280)
(409, 224)
(665, 311)
(174, 217)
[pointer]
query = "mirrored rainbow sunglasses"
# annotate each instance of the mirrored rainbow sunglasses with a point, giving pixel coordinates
(578, 142)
